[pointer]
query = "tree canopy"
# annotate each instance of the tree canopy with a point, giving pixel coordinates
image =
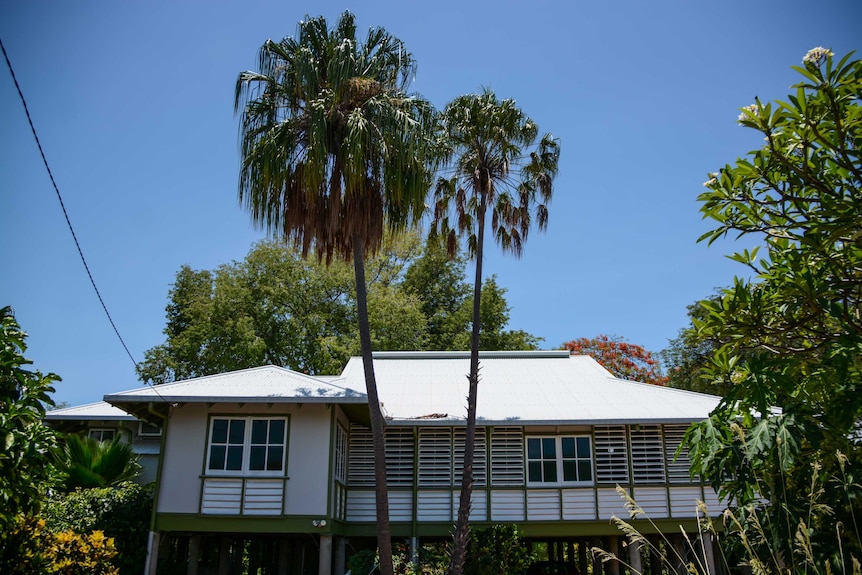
(276, 307)
(791, 334)
(623, 359)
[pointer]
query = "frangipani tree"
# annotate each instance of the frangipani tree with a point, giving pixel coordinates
(499, 175)
(334, 150)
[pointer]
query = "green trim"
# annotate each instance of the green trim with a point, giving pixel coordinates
(330, 477)
(528, 529)
(186, 522)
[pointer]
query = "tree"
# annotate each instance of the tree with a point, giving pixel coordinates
(29, 448)
(274, 307)
(333, 151)
(792, 334)
(498, 170)
(623, 359)
(90, 463)
(688, 354)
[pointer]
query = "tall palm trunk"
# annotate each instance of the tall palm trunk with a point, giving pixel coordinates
(384, 533)
(462, 525)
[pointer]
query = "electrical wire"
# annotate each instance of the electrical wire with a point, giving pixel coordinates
(65, 213)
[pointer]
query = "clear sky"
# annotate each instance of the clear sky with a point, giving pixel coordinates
(133, 102)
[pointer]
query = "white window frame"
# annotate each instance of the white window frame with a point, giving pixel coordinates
(98, 433)
(558, 443)
(244, 470)
(144, 432)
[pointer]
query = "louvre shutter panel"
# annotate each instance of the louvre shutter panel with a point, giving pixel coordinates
(360, 462)
(399, 455)
(612, 465)
(647, 454)
(435, 457)
(479, 456)
(677, 465)
(507, 456)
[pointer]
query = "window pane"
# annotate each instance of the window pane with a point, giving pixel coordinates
(276, 432)
(550, 469)
(549, 448)
(535, 469)
(585, 471)
(534, 450)
(569, 471)
(568, 447)
(257, 458)
(234, 458)
(584, 447)
(258, 431)
(219, 430)
(274, 458)
(216, 457)
(237, 431)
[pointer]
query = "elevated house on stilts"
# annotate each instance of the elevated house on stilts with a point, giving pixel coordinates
(280, 464)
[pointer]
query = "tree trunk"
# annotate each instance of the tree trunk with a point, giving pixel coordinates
(384, 534)
(462, 524)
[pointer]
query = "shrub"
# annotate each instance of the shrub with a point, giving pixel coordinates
(29, 548)
(122, 513)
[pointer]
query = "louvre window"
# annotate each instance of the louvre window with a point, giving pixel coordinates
(562, 460)
(399, 455)
(612, 465)
(507, 456)
(360, 468)
(677, 465)
(435, 457)
(255, 445)
(340, 454)
(479, 456)
(647, 454)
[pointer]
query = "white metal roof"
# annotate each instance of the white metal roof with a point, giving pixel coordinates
(518, 388)
(263, 384)
(100, 410)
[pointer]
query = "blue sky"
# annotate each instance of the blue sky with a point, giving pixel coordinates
(133, 104)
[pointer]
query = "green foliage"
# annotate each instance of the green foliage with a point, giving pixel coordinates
(29, 548)
(122, 513)
(28, 449)
(276, 307)
(497, 549)
(625, 360)
(90, 463)
(791, 336)
(689, 353)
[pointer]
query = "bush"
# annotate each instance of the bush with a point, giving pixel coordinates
(29, 548)
(497, 549)
(122, 513)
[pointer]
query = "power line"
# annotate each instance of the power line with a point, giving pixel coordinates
(62, 205)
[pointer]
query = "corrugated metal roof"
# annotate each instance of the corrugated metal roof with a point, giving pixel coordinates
(264, 384)
(519, 388)
(92, 411)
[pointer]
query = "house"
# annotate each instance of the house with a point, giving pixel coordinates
(104, 422)
(284, 460)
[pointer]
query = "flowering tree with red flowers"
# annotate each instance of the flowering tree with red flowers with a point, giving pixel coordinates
(625, 360)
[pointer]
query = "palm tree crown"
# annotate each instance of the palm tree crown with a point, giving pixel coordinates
(497, 165)
(332, 144)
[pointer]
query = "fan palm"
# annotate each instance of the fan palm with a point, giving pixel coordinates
(498, 169)
(91, 463)
(333, 150)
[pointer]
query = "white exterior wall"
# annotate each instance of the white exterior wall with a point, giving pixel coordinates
(307, 455)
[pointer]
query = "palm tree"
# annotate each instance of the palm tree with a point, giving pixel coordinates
(91, 463)
(497, 167)
(333, 150)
